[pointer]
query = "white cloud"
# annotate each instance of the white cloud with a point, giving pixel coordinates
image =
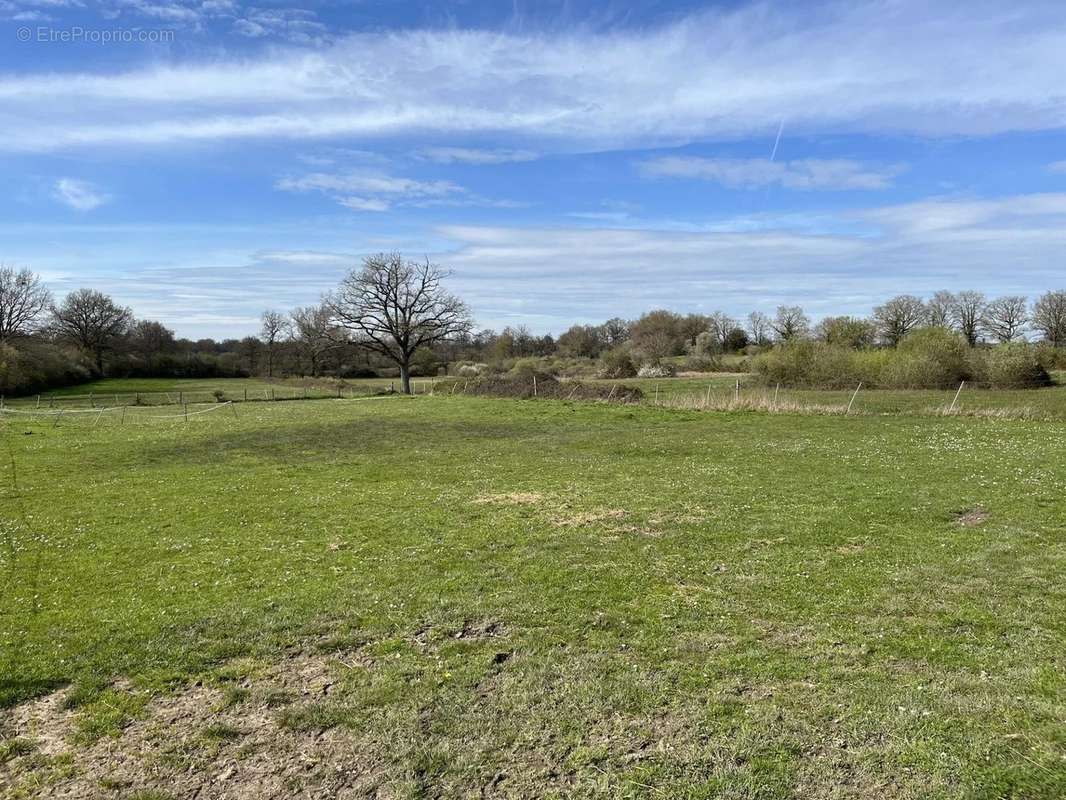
(79, 195)
(807, 174)
(470, 155)
(1057, 166)
(376, 191)
(364, 203)
(901, 67)
(550, 277)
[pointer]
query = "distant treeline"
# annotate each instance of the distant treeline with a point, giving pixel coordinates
(44, 344)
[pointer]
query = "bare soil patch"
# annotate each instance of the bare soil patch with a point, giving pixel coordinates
(194, 743)
(972, 517)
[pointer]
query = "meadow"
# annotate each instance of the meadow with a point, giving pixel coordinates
(446, 596)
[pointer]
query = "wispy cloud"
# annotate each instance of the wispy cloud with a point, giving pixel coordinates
(370, 191)
(972, 69)
(79, 195)
(1057, 166)
(806, 174)
(471, 155)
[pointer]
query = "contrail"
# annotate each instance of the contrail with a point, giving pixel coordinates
(777, 141)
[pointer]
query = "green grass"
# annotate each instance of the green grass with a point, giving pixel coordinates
(681, 604)
(114, 392)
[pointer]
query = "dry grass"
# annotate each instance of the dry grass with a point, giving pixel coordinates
(748, 400)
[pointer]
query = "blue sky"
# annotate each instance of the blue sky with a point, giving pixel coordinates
(569, 161)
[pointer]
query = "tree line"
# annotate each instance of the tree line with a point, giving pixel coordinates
(393, 316)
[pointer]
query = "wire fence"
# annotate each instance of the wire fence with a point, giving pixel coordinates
(96, 400)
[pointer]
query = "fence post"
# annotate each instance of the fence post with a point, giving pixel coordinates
(122, 420)
(956, 398)
(246, 394)
(186, 407)
(656, 394)
(853, 396)
(38, 401)
(181, 397)
(534, 385)
(737, 396)
(92, 401)
(776, 390)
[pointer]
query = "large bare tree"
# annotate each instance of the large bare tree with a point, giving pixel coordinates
(758, 328)
(93, 321)
(790, 323)
(898, 317)
(968, 314)
(1049, 317)
(939, 310)
(394, 306)
(23, 302)
(274, 328)
(315, 334)
(1005, 317)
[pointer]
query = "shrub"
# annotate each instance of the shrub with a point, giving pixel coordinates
(1051, 357)
(659, 369)
(617, 363)
(1015, 366)
(701, 363)
(931, 358)
(220, 396)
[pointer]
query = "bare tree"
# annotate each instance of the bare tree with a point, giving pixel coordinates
(616, 331)
(1005, 317)
(898, 317)
(274, 328)
(790, 323)
(395, 306)
(1049, 317)
(150, 339)
(939, 310)
(967, 314)
(721, 325)
(23, 302)
(93, 321)
(758, 328)
(315, 334)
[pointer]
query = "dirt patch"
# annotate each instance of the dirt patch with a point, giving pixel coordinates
(198, 743)
(972, 517)
(587, 518)
(509, 499)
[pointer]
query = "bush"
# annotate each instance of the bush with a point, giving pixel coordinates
(617, 363)
(521, 385)
(1015, 366)
(1051, 357)
(30, 365)
(932, 358)
(701, 363)
(927, 359)
(659, 369)
(470, 370)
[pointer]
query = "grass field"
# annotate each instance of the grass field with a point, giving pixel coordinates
(451, 596)
(114, 392)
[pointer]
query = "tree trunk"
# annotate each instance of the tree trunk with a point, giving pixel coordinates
(405, 376)
(100, 362)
